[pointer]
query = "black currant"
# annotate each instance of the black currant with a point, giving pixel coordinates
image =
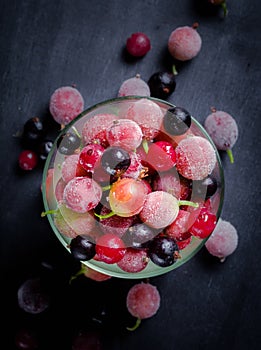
(205, 188)
(82, 248)
(44, 148)
(115, 160)
(177, 121)
(162, 84)
(33, 132)
(68, 143)
(139, 235)
(163, 251)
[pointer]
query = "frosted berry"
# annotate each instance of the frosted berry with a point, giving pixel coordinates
(223, 130)
(133, 260)
(134, 86)
(143, 300)
(184, 43)
(82, 194)
(27, 160)
(124, 133)
(159, 210)
(65, 104)
(223, 240)
(138, 44)
(196, 158)
(162, 84)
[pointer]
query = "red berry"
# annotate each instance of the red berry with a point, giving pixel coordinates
(138, 44)
(27, 160)
(90, 155)
(161, 155)
(110, 248)
(204, 223)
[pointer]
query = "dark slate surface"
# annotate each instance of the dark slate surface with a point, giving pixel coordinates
(47, 44)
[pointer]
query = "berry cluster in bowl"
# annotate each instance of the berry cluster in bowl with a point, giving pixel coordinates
(133, 187)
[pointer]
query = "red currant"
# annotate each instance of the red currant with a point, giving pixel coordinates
(90, 155)
(138, 44)
(204, 223)
(110, 248)
(27, 160)
(161, 155)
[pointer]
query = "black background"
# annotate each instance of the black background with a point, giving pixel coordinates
(44, 44)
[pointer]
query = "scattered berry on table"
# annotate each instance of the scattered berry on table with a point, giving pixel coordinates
(134, 86)
(184, 43)
(27, 160)
(138, 44)
(87, 340)
(162, 84)
(65, 104)
(143, 301)
(223, 130)
(221, 3)
(33, 297)
(26, 339)
(223, 240)
(33, 132)
(44, 149)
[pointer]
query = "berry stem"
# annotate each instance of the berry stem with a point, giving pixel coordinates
(106, 216)
(224, 7)
(106, 188)
(191, 204)
(52, 211)
(145, 146)
(230, 155)
(80, 272)
(138, 322)
(174, 70)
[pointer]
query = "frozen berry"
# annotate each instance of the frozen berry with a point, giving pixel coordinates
(27, 160)
(162, 84)
(65, 104)
(143, 301)
(138, 44)
(134, 86)
(223, 130)
(184, 43)
(133, 260)
(223, 240)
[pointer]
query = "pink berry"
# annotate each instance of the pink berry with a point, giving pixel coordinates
(27, 160)
(223, 130)
(223, 240)
(95, 129)
(135, 168)
(65, 104)
(59, 188)
(134, 86)
(168, 182)
(69, 167)
(184, 43)
(196, 158)
(143, 300)
(124, 133)
(161, 155)
(203, 222)
(82, 194)
(134, 260)
(159, 210)
(138, 44)
(110, 248)
(148, 115)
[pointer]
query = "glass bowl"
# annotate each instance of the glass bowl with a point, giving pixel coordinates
(53, 183)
